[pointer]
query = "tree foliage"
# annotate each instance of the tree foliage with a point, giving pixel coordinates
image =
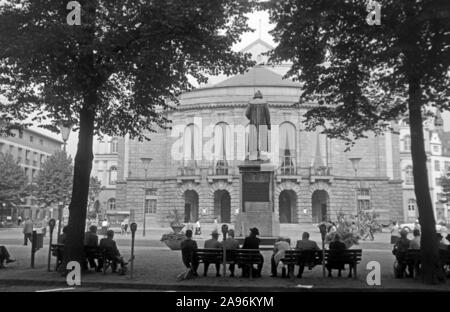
(13, 181)
(117, 73)
(54, 180)
(362, 77)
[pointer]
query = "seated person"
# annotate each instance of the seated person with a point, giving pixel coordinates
(112, 251)
(305, 244)
(442, 242)
(415, 242)
(400, 250)
(336, 248)
(188, 248)
(231, 244)
(281, 245)
(63, 237)
(212, 243)
(91, 240)
(252, 242)
(4, 256)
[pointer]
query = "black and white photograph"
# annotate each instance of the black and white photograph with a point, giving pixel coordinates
(246, 148)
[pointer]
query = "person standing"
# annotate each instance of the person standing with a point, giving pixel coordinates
(104, 226)
(198, 229)
(188, 248)
(395, 233)
(27, 231)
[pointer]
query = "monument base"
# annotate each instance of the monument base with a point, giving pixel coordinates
(257, 189)
(265, 221)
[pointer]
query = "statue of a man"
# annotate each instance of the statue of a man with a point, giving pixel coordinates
(258, 114)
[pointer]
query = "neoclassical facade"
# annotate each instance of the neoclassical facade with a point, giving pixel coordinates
(193, 167)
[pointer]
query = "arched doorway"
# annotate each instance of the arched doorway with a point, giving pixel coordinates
(190, 206)
(320, 202)
(222, 206)
(287, 206)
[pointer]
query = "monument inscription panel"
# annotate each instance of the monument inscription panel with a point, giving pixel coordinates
(256, 187)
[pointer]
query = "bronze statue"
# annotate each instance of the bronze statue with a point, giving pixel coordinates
(258, 114)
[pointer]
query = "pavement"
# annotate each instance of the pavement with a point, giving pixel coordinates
(156, 268)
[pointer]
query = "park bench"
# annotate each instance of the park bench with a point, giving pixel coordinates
(98, 253)
(334, 259)
(308, 258)
(412, 258)
(242, 257)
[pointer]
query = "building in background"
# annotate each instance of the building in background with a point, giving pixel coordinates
(30, 149)
(314, 181)
(105, 169)
(437, 148)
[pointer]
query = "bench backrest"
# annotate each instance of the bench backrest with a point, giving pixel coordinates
(347, 255)
(303, 256)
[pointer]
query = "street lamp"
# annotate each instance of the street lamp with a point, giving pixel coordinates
(65, 128)
(60, 210)
(355, 163)
(146, 161)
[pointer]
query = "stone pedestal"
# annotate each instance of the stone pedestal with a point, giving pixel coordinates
(257, 199)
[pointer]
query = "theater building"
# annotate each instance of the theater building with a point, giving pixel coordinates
(193, 167)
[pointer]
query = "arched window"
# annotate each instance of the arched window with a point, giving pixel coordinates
(222, 148)
(114, 146)
(191, 149)
(407, 143)
(113, 175)
(287, 148)
(409, 178)
(112, 204)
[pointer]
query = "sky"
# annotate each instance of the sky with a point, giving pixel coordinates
(259, 21)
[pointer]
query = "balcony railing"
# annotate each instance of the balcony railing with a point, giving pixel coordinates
(320, 173)
(221, 167)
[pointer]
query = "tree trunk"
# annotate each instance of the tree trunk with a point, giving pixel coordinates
(74, 246)
(431, 268)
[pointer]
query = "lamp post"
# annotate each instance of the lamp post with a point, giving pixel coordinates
(355, 163)
(65, 128)
(146, 161)
(60, 209)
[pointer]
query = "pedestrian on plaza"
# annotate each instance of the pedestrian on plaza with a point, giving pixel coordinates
(104, 226)
(395, 233)
(19, 220)
(27, 231)
(198, 229)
